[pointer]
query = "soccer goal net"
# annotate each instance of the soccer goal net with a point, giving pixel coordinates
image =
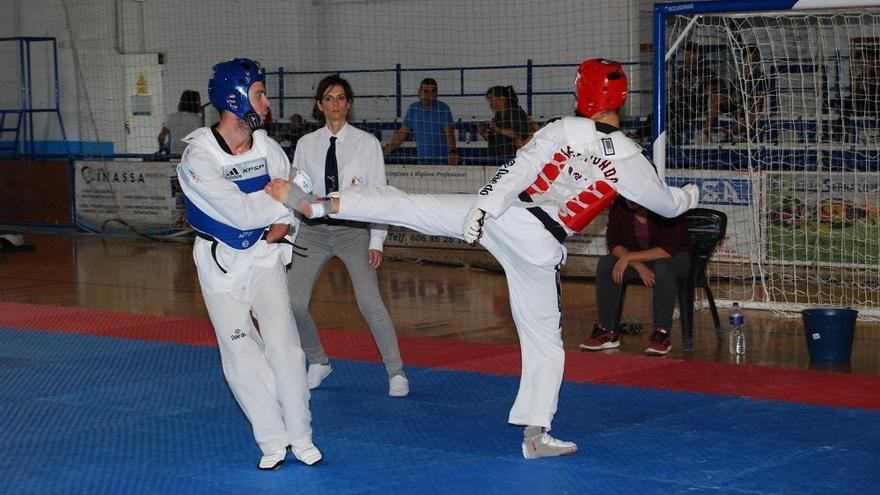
(775, 114)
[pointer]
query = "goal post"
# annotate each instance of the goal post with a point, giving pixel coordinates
(772, 107)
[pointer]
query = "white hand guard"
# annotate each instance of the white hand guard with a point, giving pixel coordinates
(473, 226)
(300, 193)
(296, 195)
(694, 193)
(303, 181)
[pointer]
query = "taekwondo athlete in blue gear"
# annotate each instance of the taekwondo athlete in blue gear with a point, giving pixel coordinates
(222, 173)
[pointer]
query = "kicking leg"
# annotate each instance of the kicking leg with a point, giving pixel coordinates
(432, 214)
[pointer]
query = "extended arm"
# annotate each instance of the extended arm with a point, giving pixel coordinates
(398, 138)
(449, 130)
(638, 181)
(375, 171)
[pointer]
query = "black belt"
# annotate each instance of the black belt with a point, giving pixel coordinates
(334, 221)
(215, 242)
(554, 228)
(546, 220)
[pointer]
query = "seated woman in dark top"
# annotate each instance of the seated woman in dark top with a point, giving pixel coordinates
(641, 246)
(510, 128)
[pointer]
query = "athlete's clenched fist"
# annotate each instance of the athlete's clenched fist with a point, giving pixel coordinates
(473, 225)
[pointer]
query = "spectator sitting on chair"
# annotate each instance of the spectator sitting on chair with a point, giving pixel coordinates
(177, 125)
(642, 246)
(510, 128)
(430, 121)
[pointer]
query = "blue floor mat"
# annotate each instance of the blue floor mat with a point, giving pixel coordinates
(84, 414)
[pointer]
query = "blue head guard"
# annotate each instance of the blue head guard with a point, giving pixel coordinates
(228, 88)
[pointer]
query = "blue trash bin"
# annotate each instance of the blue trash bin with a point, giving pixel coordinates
(829, 333)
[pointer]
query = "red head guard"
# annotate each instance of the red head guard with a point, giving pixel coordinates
(599, 85)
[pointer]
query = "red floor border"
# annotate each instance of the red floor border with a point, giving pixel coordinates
(759, 382)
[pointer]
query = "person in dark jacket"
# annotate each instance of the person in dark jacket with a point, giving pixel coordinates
(510, 128)
(641, 245)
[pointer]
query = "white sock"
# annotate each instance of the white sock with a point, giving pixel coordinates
(532, 431)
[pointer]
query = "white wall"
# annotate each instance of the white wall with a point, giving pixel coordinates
(320, 35)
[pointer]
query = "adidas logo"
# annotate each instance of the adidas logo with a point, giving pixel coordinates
(233, 174)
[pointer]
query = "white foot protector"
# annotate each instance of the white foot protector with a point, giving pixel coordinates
(273, 460)
(308, 455)
(398, 386)
(317, 373)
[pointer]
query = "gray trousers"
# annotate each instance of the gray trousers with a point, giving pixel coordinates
(666, 274)
(350, 244)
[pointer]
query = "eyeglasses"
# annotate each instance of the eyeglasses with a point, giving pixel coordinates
(332, 98)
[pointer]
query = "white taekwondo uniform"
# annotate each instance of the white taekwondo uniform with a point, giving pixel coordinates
(240, 275)
(557, 184)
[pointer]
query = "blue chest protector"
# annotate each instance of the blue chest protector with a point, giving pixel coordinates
(219, 231)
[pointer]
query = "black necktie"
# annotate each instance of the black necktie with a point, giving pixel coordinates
(331, 172)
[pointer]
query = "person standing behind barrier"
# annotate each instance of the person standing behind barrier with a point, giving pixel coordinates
(641, 246)
(241, 271)
(430, 121)
(180, 123)
(510, 128)
(336, 157)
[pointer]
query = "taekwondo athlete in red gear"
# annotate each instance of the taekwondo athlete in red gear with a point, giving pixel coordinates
(222, 174)
(558, 182)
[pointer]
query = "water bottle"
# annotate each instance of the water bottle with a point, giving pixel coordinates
(737, 337)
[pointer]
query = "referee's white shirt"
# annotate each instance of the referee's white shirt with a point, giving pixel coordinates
(359, 161)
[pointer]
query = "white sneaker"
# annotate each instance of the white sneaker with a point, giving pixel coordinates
(14, 239)
(309, 455)
(398, 386)
(544, 445)
(317, 373)
(273, 460)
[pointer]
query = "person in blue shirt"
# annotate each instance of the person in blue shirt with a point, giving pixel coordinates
(431, 124)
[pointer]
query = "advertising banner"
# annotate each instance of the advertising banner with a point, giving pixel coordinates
(828, 217)
(732, 193)
(431, 179)
(145, 196)
(117, 195)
